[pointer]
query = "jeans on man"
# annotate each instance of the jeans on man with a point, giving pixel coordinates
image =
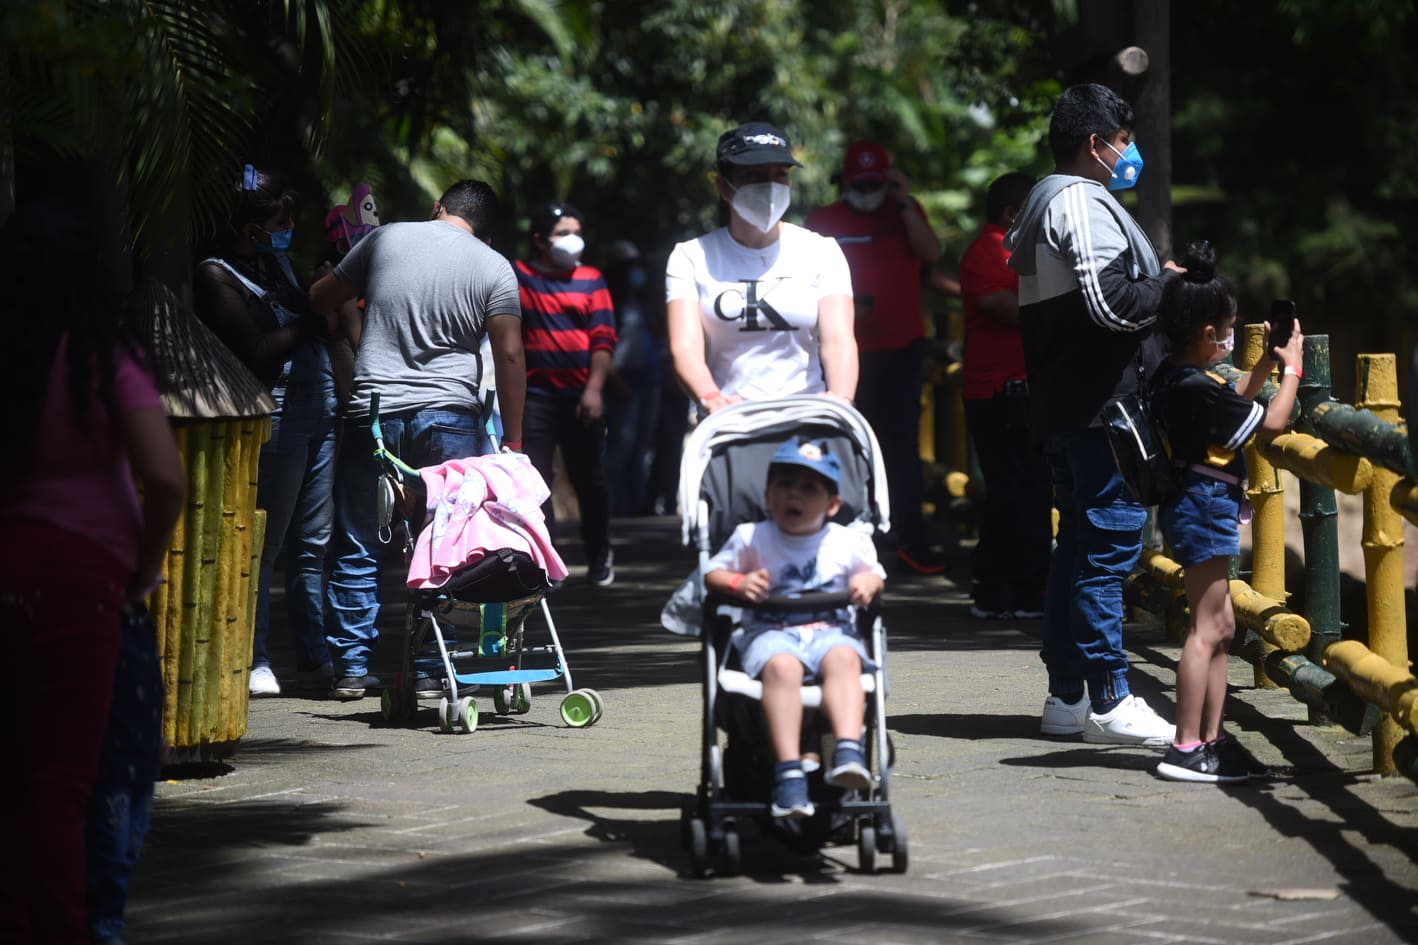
(295, 485)
(1010, 563)
(1099, 542)
(889, 397)
(420, 438)
(549, 422)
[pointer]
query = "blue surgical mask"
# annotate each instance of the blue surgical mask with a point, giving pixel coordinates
(1126, 170)
(280, 240)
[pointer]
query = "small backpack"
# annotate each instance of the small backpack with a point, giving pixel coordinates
(1139, 445)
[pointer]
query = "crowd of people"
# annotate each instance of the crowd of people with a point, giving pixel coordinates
(603, 369)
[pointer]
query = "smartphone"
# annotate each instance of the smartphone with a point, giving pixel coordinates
(1282, 323)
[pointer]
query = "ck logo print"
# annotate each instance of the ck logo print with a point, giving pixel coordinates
(750, 304)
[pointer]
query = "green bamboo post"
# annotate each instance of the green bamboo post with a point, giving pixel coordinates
(199, 447)
(203, 661)
(1377, 391)
(1319, 522)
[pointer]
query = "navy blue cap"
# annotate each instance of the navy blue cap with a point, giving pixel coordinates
(753, 143)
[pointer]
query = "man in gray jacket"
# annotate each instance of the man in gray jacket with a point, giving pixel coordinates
(1089, 286)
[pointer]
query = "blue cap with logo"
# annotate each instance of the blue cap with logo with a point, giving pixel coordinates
(813, 455)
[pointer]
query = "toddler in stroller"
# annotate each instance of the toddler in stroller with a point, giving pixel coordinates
(788, 600)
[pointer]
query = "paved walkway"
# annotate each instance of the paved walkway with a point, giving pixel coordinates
(329, 826)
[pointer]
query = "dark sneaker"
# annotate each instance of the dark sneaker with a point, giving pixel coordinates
(602, 571)
(317, 679)
(1201, 764)
(1235, 754)
(921, 560)
(849, 768)
(352, 687)
(790, 799)
(981, 613)
(427, 687)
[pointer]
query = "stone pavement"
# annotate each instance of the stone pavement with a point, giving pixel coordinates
(329, 826)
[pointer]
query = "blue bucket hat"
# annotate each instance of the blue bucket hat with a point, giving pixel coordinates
(813, 455)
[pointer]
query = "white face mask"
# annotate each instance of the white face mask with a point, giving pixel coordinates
(865, 201)
(1224, 347)
(762, 205)
(566, 250)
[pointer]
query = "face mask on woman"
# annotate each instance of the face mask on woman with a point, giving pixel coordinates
(566, 250)
(278, 243)
(762, 205)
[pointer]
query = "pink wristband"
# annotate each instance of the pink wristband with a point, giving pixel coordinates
(734, 583)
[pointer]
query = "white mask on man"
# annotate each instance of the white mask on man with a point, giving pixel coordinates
(566, 250)
(865, 201)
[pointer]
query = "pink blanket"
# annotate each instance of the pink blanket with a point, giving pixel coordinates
(477, 505)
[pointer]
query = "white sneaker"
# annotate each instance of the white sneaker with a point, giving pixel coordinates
(1061, 718)
(1132, 722)
(263, 682)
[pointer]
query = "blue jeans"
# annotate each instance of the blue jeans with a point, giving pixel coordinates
(1099, 542)
(295, 485)
(420, 438)
(889, 397)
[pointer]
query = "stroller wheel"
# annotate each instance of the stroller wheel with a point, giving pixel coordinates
(445, 715)
(596, 701)
(467, 715)
(900, 857)
(866, 847)
(388, 705)
(578, 708)
(698, 847)
(514, 699)
(730, 851)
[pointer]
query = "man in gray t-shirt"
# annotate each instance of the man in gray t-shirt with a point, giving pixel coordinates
(432, 290)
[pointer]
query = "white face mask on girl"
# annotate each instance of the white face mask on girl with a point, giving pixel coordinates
(1224, 347)
(566, 250)
(762, 205)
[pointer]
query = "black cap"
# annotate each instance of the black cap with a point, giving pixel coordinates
(543, 218)
(756, 142)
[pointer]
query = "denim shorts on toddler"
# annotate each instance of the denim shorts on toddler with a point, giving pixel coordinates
(809, 643)
(1203, 521)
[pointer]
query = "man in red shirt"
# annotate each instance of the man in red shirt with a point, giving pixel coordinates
(887, 239)
(1011, 559)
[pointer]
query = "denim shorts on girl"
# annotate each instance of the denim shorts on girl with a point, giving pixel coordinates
(809, 643)
(1203, 522)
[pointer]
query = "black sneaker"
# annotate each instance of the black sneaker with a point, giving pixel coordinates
(1201, 764)
(1235, 754)
(352, 687)
(602, 572)
(428, 687)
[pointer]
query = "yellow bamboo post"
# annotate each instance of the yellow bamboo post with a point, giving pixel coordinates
(224, 639)
(204, 661)
(199, 439)
(166, 605)
(1377, 391)
(1267, 495)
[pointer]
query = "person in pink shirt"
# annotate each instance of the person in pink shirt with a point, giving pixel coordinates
(77, 547)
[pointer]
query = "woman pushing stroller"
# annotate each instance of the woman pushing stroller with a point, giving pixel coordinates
(799, 549)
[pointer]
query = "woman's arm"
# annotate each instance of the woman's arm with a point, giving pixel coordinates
(223, 305)
(152, 449)
(837, 345)
(686, 336)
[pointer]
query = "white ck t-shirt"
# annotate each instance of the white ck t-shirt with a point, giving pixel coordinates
(759, 307)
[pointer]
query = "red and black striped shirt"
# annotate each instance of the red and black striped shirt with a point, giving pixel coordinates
(565, 317)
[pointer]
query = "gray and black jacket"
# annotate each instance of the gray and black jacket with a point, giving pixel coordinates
(1089, 286)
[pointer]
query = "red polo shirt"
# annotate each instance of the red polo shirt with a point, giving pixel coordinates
(993, 352)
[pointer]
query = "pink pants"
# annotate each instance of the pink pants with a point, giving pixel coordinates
(60, 595)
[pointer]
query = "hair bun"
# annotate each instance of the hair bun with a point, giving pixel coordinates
(1199, 260)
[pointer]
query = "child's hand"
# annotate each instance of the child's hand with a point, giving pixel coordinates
(864, 586)
(1293, 354)
(755, 585)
